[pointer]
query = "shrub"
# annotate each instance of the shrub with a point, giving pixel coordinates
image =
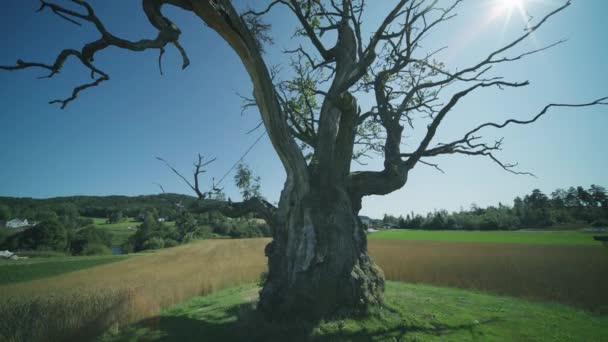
(127, 248)
(154, 243)
(170, 243)
(96, 249)
(89, 235)
(4, 233)
(600, 224)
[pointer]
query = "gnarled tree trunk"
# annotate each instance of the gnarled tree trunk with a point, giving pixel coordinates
(318, 260)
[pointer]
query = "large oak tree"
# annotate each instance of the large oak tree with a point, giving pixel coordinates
(317, 261)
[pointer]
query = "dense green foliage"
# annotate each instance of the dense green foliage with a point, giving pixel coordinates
(46, 235)
(4, 233)
(91, 240)
(96, 206)
(115, 217)
(153, 234)
(5, 213)
(72, 225)
(25, 270)
(410, 313)
(535, 210)
(64, 234)
(525, 237)
(247, 183)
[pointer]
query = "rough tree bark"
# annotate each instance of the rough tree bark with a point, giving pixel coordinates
(318, 260)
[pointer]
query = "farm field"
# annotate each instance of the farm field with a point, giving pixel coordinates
(120, 231)
(86, 303)
(412, 313)
(572, 275)
(521, 237)
(79, 305)
(38, 268)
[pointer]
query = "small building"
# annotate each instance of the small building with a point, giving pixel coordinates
(10, 255)
(17, 223)
(390, 226)
(6, 254)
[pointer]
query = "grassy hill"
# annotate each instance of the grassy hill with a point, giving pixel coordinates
(411, 313)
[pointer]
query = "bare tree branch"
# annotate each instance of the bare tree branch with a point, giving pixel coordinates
(168, 33)
(198, 169)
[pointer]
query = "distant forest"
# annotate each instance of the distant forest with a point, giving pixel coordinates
(65, 224)
(570, 207)
(92, 206)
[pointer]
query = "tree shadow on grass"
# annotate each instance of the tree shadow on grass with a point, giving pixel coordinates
(243, 323)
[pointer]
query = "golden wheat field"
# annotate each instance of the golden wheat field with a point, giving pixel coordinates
(79, 305)
(574, 275)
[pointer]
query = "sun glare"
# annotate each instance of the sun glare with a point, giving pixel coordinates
(511, 4)
(506, 7)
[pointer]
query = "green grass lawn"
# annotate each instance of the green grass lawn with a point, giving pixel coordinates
(13, 271)
(527, 237)
(411, 313)
(120, 231)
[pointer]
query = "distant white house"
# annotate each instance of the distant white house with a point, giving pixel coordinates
(10, 255)
(162, 219)
(17, 223)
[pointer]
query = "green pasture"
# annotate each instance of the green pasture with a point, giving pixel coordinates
(411, 313)
(526, 237)
(13, 271)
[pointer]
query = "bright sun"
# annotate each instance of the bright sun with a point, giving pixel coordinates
(510, 5)
(506, 8)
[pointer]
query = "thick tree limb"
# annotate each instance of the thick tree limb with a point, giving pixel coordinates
(256, 205)
(221, 16)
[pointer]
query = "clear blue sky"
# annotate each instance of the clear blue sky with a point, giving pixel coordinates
(105, 142)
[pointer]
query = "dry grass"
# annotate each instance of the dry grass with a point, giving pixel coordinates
(79, 305)
(568, 274)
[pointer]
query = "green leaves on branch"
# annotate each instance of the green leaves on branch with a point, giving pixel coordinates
(247, 182)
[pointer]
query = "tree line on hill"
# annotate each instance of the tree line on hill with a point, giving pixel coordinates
(62, 226)
(92, 206)
(65, 224)
(572, 206)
